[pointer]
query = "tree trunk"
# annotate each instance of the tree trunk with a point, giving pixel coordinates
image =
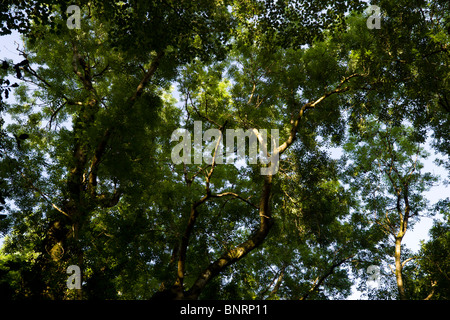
(398, 266)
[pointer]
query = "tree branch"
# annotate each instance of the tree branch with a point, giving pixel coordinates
(185, 241)
(407, 260)
(98, 154)
(109, 202)
(46, 198)
(319, 280)
(235, 254)
(312, 105)
(234, 195)
(433, 288)
(148, 75)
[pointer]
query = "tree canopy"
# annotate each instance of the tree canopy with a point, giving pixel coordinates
(88, 178)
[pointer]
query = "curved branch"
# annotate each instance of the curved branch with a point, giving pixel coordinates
(235, 254)
(311, 105)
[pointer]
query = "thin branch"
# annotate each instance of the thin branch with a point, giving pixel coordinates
(407, 260)
(234, 195)
(44, 196)
(101, 72)
(198, 172)
(278, 278)
(387, 228)
(202, 115)
(392, 270)
(319, 280)
(33, 72)
(54, 114)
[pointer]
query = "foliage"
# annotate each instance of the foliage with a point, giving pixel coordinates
(86, 158)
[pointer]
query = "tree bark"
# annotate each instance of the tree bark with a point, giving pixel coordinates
(398, 266)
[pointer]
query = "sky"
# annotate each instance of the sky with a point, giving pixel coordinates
(412, 239)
